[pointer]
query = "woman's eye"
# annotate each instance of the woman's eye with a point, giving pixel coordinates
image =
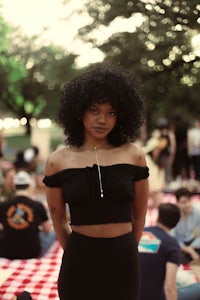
(112, 113)
(93, 110)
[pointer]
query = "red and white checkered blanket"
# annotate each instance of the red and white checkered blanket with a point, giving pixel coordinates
(37, 276)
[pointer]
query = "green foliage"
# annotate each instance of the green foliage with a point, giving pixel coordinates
(31, 75)
(5, 30)
(11, 69)
(17, 70)
(158, 50)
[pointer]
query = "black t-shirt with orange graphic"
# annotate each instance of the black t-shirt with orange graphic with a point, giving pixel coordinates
(21, 218)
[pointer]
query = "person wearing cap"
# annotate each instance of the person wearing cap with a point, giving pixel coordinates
(23, 220)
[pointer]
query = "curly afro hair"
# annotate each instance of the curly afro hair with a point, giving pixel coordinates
(102, 82)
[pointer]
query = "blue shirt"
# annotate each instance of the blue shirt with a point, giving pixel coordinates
(156, 248)
(188, 230)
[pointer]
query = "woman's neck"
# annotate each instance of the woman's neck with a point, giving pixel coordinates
(95, 144)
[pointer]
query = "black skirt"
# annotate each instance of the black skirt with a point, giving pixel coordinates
(99, 268)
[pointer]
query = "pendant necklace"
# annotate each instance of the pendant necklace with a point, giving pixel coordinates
(98, 168)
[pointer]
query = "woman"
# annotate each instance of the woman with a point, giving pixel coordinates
(157, 176)
(103, 178)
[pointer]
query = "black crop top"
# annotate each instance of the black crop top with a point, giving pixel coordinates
(81, 191)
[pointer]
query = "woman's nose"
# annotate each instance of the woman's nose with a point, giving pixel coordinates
(101, 118)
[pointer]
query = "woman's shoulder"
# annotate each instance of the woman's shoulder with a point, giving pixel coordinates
(55, 160)
(136, 154)
(134, 147)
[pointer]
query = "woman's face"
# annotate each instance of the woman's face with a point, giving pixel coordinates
(99, 120)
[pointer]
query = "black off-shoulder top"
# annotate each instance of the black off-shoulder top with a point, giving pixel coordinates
(81, 190)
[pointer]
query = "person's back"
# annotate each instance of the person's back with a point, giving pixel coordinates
(156, 248)
(21, 217)
(160, 256)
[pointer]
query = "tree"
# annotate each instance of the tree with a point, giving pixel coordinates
(11, 70)
(31, 75)
(158, 50)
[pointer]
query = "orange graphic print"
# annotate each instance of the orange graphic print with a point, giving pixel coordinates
(20, 216)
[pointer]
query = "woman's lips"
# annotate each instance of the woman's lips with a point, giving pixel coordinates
(100, 129)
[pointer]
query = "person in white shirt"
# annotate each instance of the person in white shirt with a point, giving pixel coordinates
(193, 140)
(187, 231)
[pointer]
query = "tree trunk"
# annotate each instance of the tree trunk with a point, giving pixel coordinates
(28, 128)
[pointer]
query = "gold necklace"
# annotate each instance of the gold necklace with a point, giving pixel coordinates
(98, 167)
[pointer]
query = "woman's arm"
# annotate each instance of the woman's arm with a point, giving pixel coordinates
(55, 201)
(139, 208)
(59, 216)
(140, 200)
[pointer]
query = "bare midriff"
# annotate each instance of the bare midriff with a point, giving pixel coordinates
(103, 230)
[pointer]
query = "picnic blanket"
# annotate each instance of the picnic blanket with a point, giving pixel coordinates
(37, 276)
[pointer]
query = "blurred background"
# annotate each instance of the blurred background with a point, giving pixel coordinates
(44, 44)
